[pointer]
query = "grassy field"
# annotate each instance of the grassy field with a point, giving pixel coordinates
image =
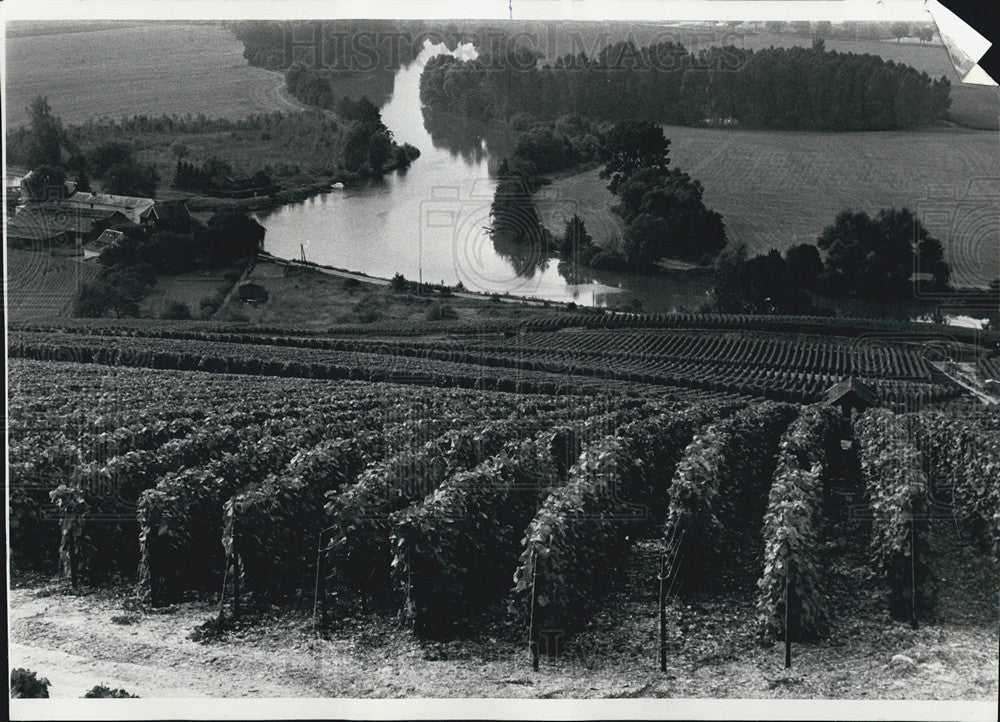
(304, 297)
(150, 69)
(778, 189)
(43, 286)
(186, 288)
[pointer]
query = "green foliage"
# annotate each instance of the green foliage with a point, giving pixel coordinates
(791, 546)
(103, 157)
(578, 538)
(131, 179)
(45, 182)
(24, 684)
(761, 285)
(178, 311)
(359, 551)
(101, 691)
(804, 265)
(896, 484)
(82, 182)
(665, 83)
(274, 527)
(721, 484)
(874, 257)
(962, 453)
(183, 513)
(631, 146)
(449, 548)
(118, 289)
(46, 135)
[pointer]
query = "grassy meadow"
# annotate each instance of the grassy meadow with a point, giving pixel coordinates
(778, 189)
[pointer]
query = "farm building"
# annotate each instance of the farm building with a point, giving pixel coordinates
(851, 394)
(52, 226)
(107, 239)
(137, 210)
(173, 215)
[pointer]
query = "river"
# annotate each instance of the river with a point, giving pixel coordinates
(429, 222)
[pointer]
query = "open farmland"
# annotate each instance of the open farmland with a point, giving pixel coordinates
(148, 69)
(779, 189)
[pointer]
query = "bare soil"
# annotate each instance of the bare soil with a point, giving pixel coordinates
(78, 640)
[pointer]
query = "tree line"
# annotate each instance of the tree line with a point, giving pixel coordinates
(886, 256)
(661, 207)
(55, 156)
(774, 88)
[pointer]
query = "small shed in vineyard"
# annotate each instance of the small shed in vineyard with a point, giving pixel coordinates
(851, 393)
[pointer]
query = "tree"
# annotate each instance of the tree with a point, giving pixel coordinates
(900, 30)
(82, 182)
(231, 236)
(632, 145)
(925, 33)
(876, 257)
(45, 182)
(575, 238)
(804, 264)
(690, 230)
(379, 150)
(644, 240)
(103, 157)
(513, 212)
(45, 146)
(762, 284)
(823, 29)
(131, 179)
(118, 289)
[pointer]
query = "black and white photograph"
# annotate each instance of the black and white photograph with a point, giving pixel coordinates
(524, 359)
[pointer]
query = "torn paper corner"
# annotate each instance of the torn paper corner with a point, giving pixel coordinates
(965, 45)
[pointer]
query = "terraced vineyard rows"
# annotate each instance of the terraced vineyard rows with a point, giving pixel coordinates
(791, 368)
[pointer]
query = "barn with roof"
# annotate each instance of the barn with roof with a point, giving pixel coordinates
(137, 210)
(54, 227)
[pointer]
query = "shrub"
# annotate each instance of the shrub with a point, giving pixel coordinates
(100, 691)
(25, 685)
(177, 311)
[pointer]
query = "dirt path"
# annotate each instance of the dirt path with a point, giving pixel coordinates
(98, 638)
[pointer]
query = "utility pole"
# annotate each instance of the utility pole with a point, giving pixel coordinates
(510, 7)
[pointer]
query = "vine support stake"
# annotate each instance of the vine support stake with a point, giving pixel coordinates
(532, 621)
(663, 613)
(913, 572)
(788, 634)
(225, 579)
(319, 593)
(236, 570)
(73, 564)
